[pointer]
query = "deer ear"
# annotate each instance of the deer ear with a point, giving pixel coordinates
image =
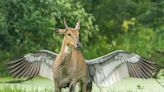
(61, 31)
(77, 27)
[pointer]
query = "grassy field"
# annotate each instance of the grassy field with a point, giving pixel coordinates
(45, 85)
(126, 85)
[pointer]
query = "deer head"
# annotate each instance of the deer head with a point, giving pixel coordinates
(71, 35)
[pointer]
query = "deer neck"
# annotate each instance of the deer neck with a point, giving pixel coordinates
(65, 49)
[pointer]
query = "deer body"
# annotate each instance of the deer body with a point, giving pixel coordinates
(70, 67)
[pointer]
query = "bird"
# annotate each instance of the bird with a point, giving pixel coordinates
(103, 71)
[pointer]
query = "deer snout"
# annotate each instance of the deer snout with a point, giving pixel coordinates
(79, 45)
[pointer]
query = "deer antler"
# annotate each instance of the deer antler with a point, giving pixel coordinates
(77, 25)
(65, 24)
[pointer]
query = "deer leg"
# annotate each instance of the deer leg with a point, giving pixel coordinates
(72, 86)
(56, 86)
(83, 86)
(57, 89)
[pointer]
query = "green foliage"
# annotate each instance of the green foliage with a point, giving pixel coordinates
(29, 25)
(132, 25)
(106, 25)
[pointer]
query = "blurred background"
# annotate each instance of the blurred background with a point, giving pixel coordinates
(106, 25)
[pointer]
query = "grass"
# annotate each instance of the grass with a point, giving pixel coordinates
(126, 85)
(18, 89)
(35, 85)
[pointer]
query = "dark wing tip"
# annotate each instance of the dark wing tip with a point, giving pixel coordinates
(143, 69)
(21, 68)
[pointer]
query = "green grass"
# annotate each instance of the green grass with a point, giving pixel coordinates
(126, 85)
(35, 85)
(19, 89)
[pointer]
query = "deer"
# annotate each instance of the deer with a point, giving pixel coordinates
(70, 67)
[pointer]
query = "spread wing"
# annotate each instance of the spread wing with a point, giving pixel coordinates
(33, 64)
(110, 68)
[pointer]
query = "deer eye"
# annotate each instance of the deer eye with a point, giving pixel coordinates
(69, 34)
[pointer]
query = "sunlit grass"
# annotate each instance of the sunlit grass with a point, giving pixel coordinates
(20, 89)
(126, 85)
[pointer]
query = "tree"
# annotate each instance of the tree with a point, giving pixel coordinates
(28, 25)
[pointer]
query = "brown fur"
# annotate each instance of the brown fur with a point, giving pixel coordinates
(70, 67)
